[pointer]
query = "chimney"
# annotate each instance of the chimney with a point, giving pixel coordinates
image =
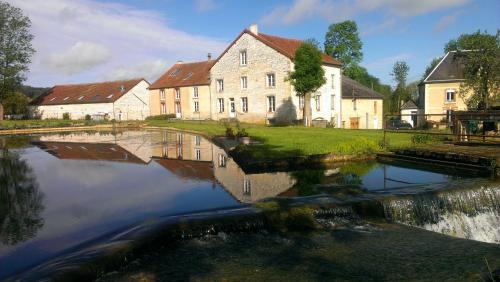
(179, 62)
(254, 29)
(209, 56)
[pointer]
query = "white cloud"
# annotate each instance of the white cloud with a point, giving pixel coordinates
(147, 69)
(133, 36)
(80, 57)
(389, 23)
(205, 5)
(446, 21)
(338, 10)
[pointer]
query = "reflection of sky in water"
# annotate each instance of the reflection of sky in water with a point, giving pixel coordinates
(85, 198)
(398, 177)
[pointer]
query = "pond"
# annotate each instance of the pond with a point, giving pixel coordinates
(58, 191)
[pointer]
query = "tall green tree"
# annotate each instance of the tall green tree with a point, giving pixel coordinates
(15, 103)
(342, 42)
(16, 48)
(400, 74)
(308, 76)
(480, 53)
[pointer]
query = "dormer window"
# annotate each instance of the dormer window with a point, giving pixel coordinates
(450, 95)
(243, 58)
(65, 98)
(110, 96)
(81, 97)
(175, 72)
(53, 99)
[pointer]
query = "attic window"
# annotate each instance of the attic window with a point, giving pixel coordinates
(66, 98)
(188, 75)
(81, 97)
(122, 88)
(109, 96)
(175, 72)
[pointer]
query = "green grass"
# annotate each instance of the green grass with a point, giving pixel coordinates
(290, 141)
(39, 123)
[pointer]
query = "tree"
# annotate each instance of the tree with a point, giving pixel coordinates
(308, 76)
(342, 42)
(15, 104)
(400, 73)
(15, 48)
(480, 53)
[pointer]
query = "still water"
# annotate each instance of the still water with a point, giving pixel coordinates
(60, 190)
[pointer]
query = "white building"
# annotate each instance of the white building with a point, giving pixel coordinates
(249, 82)
(119, 100)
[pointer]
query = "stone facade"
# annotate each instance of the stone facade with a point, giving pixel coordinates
(261, 61)
(362, 113)
(134, 105)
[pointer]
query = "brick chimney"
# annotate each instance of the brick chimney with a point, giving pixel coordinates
(179, 62)
(254, 29)
(209, 56)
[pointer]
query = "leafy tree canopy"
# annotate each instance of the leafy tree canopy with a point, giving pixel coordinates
(342, 42)
(15, 48)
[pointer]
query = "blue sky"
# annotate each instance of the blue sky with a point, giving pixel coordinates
(88, 40)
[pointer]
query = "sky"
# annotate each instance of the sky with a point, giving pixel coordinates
(88, 40)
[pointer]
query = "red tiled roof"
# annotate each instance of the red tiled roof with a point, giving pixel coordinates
(185, 74)
(100, 92)
(89, 151)
(285, 46)
(188, 169)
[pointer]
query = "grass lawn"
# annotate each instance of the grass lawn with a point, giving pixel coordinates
(40, 123)
(291, 141)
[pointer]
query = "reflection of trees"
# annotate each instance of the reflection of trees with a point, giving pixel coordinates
(20, 200)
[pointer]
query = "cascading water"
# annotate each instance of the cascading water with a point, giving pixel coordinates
(472, 213)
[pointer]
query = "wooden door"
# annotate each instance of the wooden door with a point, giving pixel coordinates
(355, 123)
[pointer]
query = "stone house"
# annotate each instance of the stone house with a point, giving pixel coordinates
(249, 82)
(183, 90)
(362, 107)
(119, 100)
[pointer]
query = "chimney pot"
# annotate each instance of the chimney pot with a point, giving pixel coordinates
(209, 56)
(254, 29)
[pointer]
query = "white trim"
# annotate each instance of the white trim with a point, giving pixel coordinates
(425, 80)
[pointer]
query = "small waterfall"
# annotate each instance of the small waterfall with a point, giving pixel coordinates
(472, 213)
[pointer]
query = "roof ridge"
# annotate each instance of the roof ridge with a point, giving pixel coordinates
(281, 37)
(102, 82)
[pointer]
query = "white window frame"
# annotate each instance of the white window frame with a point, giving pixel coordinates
(220, 104)
(333, 102)
(244, 104)
(198, 154)
(301, 102)
(271, 80)
(177, 94)
(196, 106)
(163, 108)
(243, 58)
(453, 92)
(220, 85)
(333, 81)
(317, 99)
(271, 104)
(247, 187)
(195, 92)
(162, 95)
(222, 160)
(197, 140)
(244, 82)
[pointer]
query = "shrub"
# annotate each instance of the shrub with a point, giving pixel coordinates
(242, 133)
(161, 117)
(66, 116)
(424, 139)
(88, 117)
(229, 132)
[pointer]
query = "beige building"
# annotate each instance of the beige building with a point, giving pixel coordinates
(119, 100)
(439, 92)
(362, 108)
(249, 82)
(183, 91)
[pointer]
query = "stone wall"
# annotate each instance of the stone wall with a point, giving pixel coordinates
(135, 104)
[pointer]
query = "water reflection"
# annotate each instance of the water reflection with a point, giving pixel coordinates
(20, 200)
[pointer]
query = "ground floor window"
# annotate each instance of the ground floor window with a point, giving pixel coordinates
(271, 104)
(244, 104)
(198, 154)
(222, 160)
(220, 104)
(196, 106)
(163, 108)
(247, 187)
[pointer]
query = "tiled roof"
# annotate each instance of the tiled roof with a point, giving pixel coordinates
(409, 105)
(451, 67)
(99, 92)
(285, 46)
(188, 169)
(89, 151)
(185, 74)
(354, 89)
